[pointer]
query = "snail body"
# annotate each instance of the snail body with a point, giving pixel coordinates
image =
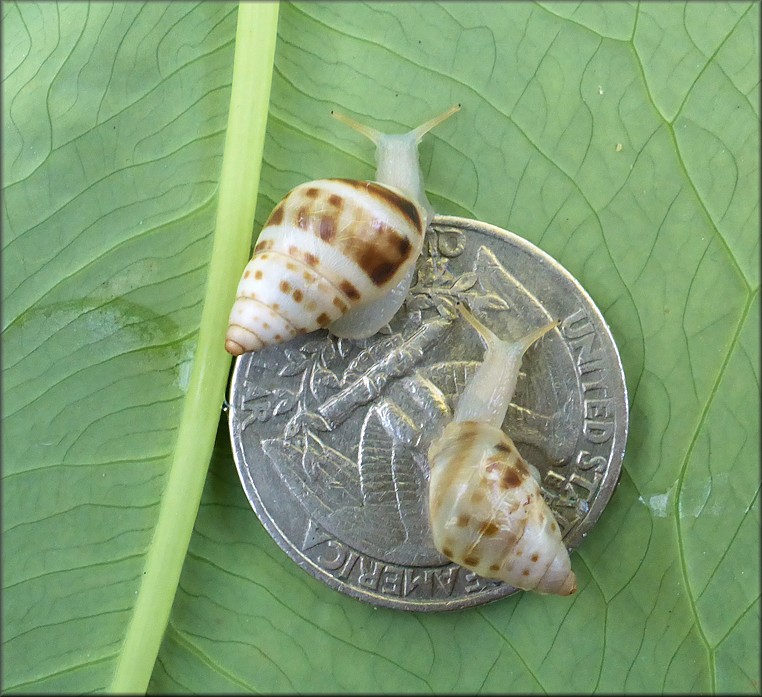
(337, 253)
(486, 508)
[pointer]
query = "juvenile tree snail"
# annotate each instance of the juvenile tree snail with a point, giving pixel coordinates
(485, 504)
(337, 253)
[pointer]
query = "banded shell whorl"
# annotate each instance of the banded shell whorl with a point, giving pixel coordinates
(487, 512)
(329, 246)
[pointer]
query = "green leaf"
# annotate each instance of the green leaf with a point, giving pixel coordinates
(622, 139)
(116, 323)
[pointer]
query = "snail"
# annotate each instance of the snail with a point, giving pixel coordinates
(337, 253)
(486, 508)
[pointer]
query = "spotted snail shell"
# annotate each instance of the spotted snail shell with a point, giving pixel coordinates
(336, 253)
(486, 508)
(329, 245)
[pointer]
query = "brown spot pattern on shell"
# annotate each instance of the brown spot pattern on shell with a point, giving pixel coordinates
(393, 198)
(484, 500)
(329, 246)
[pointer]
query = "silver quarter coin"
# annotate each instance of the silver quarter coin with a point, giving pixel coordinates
(330, 435)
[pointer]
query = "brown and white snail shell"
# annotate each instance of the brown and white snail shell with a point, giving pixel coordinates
(337, 253)
(486, 508)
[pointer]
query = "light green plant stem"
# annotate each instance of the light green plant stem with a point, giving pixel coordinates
(244, 142)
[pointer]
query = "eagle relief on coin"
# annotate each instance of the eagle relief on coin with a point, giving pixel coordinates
(330, 435)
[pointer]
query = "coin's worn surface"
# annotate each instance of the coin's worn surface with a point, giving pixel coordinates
(330, 435)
